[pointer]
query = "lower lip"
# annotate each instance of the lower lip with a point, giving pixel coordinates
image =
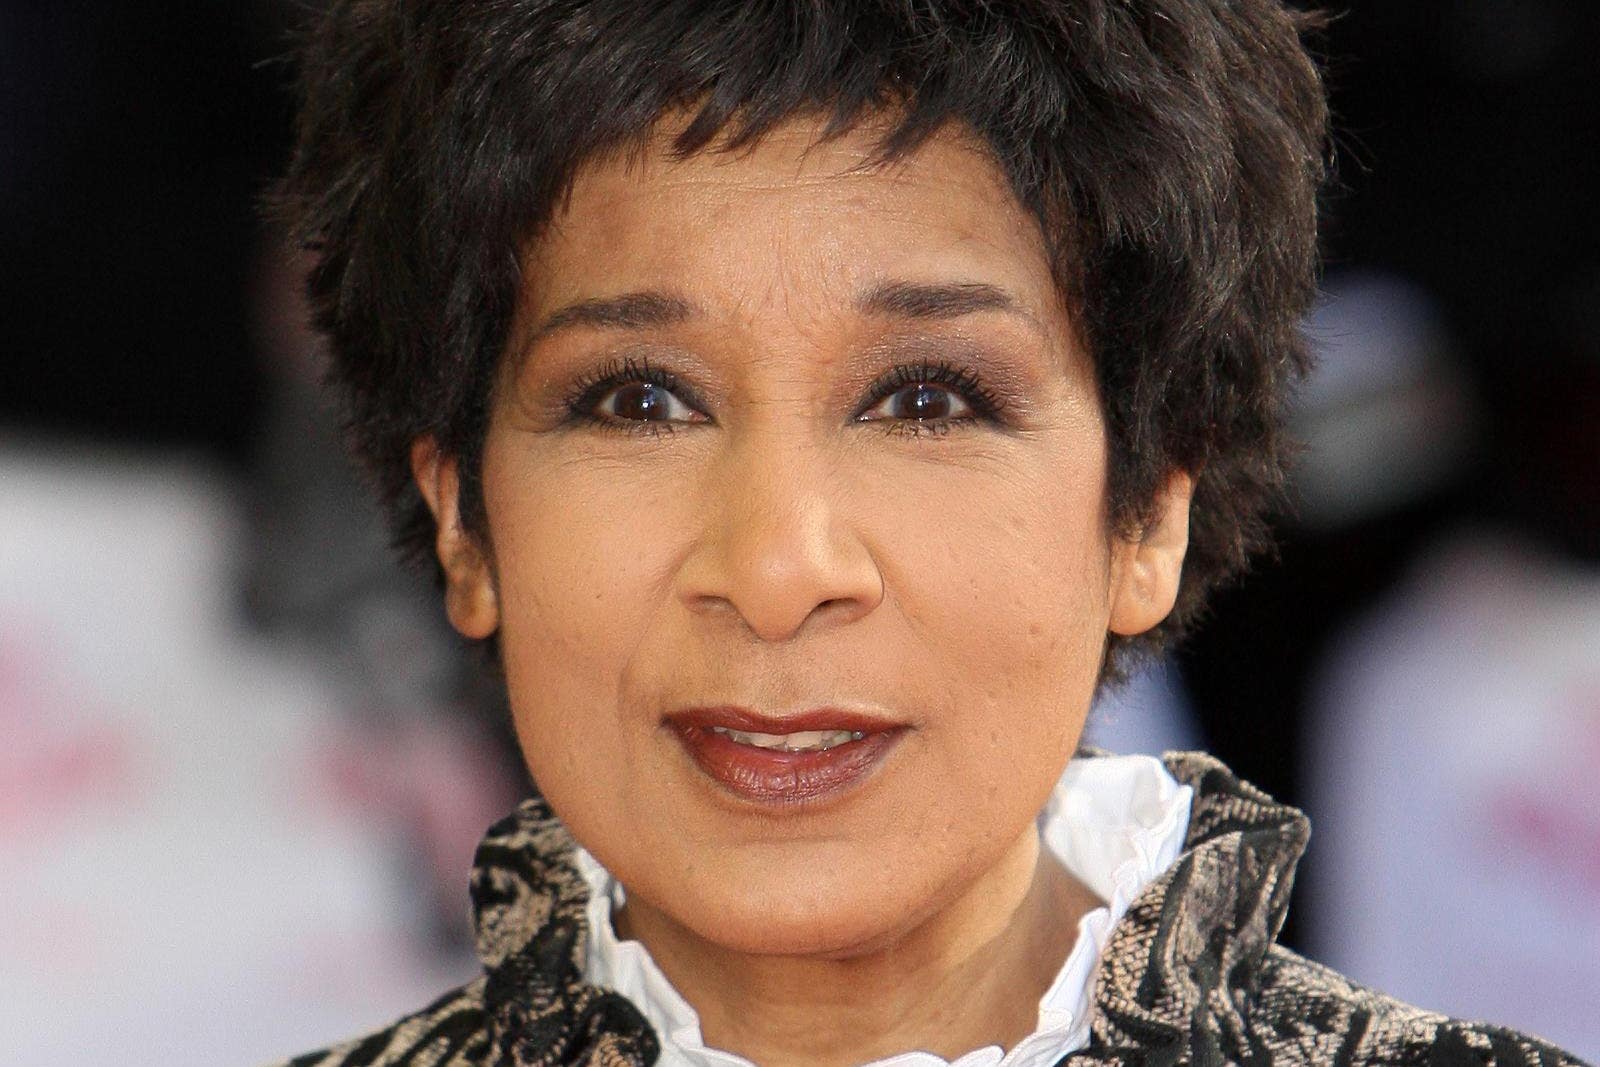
(775, 777)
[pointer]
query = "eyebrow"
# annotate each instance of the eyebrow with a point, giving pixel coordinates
(651, 308)
(937, 300)
(630, 311)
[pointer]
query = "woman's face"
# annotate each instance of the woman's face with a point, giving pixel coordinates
(928, 565)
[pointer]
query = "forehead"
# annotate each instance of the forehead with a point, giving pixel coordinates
(793, 220)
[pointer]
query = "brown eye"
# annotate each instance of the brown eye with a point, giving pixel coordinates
(921, 402)
(930, 395)
(642, 402)
(632, 395)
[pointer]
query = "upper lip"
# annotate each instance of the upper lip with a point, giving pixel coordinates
(748, 720)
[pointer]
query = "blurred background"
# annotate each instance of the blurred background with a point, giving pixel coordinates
(243, 764)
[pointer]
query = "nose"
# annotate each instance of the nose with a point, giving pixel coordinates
(778, 546)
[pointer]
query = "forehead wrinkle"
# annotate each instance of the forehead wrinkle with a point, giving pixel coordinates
(808, 207)
(796, 273)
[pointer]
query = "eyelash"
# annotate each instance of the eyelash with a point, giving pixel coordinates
(593, 387)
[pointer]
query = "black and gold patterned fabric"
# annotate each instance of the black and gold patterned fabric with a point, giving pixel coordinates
(1191, 975)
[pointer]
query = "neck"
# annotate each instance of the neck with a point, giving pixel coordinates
(969, 976)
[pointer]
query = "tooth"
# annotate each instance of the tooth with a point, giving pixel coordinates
(759, 740)
(803, 741)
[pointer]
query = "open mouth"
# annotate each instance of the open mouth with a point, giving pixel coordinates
(773, 766)
(806, 741)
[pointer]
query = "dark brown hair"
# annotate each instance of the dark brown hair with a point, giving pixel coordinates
(1171, 150)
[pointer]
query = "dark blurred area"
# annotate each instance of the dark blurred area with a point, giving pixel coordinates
(1467, 164)
(1467, 134)
(148, 316)
(136, 140)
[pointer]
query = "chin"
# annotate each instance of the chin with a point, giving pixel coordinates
(838, 936)
(828, 918)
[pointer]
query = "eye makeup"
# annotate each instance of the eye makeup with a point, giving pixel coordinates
(985, 402)
(583, 396)
(959, 384)
(962, 379)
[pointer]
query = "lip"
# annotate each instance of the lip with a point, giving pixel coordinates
(775, 778)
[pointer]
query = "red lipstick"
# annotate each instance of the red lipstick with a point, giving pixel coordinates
(750, 754)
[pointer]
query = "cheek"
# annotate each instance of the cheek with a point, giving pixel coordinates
(1013, 564)
(581, 555)
(1007, 594)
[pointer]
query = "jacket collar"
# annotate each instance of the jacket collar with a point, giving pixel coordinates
(1193, 937)
(1194, 940)
(527, 907)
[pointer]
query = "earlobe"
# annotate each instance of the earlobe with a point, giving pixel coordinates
(470, 598)
(1146, 575)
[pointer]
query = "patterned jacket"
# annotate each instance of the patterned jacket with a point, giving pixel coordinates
(1190, 976)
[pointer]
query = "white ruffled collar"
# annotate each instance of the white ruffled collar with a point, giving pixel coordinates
(1115, 822)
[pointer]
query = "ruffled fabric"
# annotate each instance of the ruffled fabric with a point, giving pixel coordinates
(1189, 976)
(1116, 823)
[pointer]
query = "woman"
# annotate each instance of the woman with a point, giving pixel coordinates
(810, 404)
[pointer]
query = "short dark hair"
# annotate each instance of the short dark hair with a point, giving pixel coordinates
(1171, 150)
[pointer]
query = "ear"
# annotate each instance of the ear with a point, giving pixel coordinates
(1145, 572)
(469, 594)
